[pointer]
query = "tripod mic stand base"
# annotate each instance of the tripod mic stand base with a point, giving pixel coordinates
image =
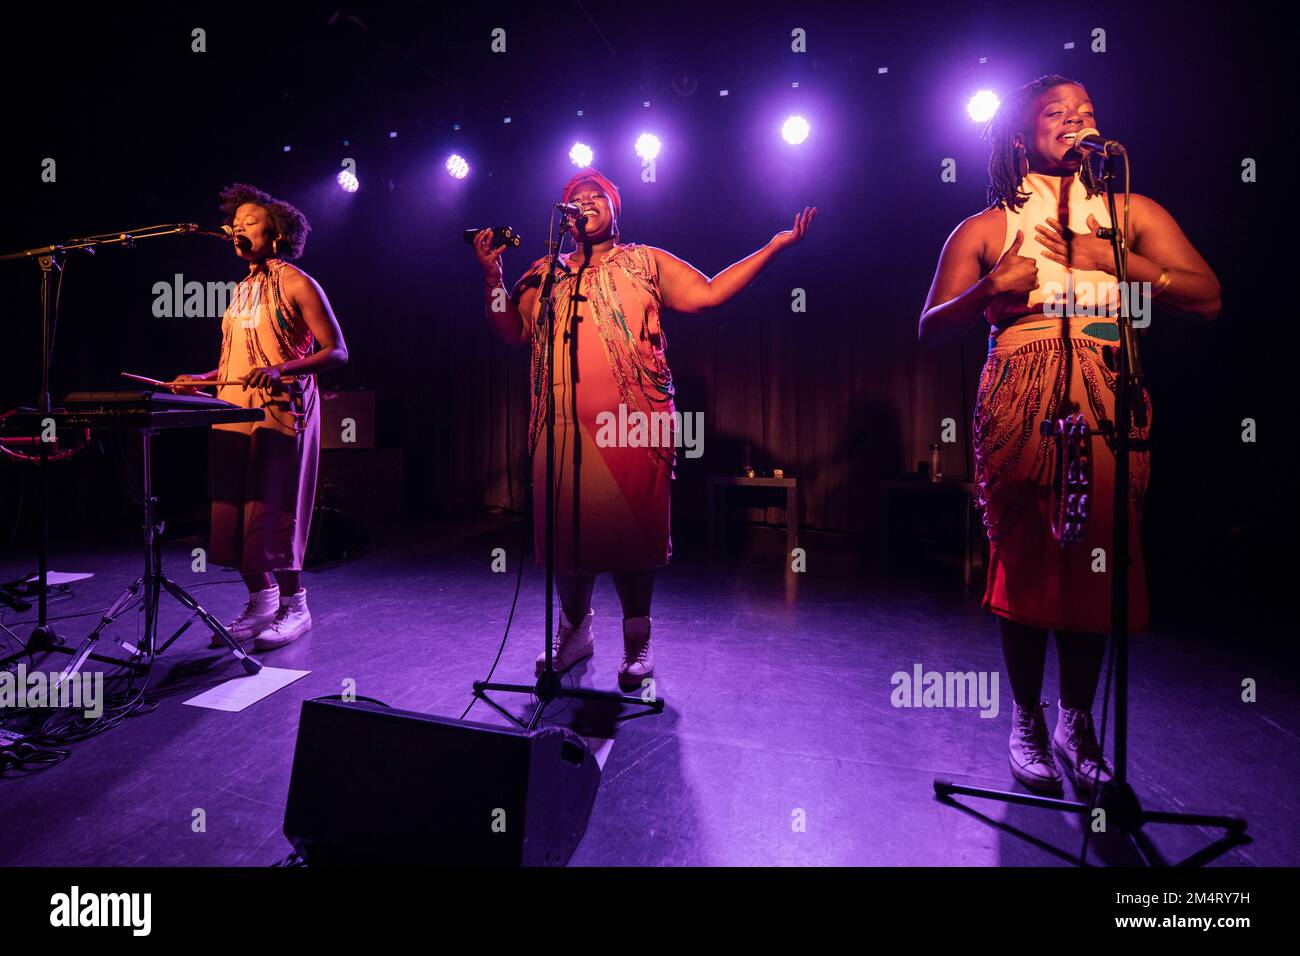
(44, 640)
(549, 688)
(1122, 812)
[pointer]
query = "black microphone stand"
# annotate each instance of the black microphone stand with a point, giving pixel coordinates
(549, 686)
(50, 259)
(1116, 797)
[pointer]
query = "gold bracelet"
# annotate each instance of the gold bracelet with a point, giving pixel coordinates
(1162, 283)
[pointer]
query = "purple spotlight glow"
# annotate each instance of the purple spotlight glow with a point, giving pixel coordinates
(348, 181)
(795, 130)
(457, 166)
(581, 155)
(648, 146)
(983, 105)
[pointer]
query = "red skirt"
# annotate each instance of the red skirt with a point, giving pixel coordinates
(1032, 368)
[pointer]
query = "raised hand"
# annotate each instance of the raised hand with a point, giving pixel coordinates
(488, 258)
(789, 237)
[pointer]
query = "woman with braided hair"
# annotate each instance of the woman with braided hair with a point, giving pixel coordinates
(611, 498)
(1036, 267)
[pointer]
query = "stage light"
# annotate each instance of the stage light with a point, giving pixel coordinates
(348, 181)
(457, 166)
(580, 155)
(647, 146)
(983, 105)
(795, 130)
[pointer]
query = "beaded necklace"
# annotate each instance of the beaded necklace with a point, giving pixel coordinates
(643, 382)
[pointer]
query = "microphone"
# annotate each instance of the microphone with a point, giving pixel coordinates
(501, 236)
(221, 232)
(224, 233)
(1091, 141)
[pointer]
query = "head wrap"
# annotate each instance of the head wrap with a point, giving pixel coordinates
(594, 176)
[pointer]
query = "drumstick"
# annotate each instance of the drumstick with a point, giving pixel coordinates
(218, 382)
(143, 378)
(195, 384)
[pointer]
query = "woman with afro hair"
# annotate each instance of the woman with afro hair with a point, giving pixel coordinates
(277, 334)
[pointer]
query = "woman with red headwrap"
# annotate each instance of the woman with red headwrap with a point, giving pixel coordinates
(611, 496)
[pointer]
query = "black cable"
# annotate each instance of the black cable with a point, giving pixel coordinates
(117, 707)
(519, 577)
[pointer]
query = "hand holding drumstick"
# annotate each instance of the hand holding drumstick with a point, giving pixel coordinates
(270, 379)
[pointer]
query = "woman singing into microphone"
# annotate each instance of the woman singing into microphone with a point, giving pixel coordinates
(611, 497)
(1034, 265)
(276, 335)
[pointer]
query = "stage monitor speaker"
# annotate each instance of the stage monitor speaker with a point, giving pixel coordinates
(375, 785)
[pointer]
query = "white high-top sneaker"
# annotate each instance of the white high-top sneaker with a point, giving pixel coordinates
(1031, 753)
(1076, 744)
(253, 619)
(638, 659)
(291, 622)
(569, 645)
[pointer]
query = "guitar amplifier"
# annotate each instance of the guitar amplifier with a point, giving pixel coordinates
(347, 418)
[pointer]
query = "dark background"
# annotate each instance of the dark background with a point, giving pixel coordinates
(146, 131)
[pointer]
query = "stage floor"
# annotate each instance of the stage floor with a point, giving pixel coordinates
(778, 692)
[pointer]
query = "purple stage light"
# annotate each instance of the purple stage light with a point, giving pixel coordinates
(648, 146)
(457, 166)
(348, 181)
(795, 130)
(581, 155)
(983, 105)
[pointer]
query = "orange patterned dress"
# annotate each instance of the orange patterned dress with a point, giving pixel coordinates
(263, 473)
(612, 483)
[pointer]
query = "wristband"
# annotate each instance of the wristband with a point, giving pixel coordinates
(1162, 283)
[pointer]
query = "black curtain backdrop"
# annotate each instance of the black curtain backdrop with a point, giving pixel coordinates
(144, 130)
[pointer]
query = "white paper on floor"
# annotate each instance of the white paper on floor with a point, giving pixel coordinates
(240, 692)
(600, 746)
(57, 578)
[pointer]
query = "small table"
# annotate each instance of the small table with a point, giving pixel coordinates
(938, 490)
(717, 490)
